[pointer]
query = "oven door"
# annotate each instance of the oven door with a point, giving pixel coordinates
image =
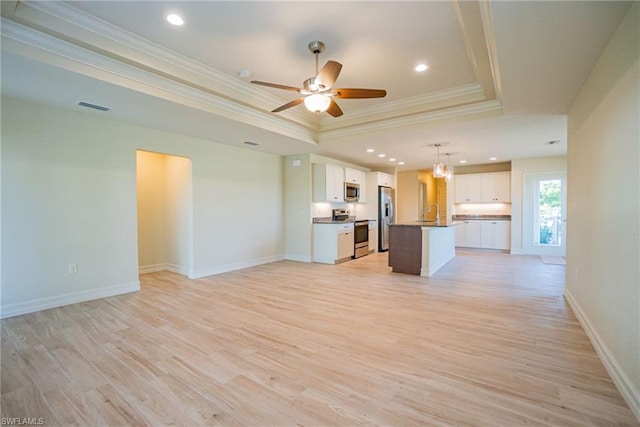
(361, 238)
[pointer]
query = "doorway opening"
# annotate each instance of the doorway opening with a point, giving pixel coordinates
(165, 235)
(544, 217)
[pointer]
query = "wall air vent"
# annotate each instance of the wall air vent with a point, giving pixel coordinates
(94, 106)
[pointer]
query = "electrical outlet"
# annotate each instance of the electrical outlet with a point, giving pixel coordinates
(72, 269)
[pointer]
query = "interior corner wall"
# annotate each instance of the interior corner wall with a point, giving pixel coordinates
(178, 212)
(603, 243)
(164, 212)
(69, 196)
(519, 168)
(298, 182)
(152, 202)
(407, 196)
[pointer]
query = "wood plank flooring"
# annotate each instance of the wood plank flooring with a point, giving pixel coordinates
(487, 341)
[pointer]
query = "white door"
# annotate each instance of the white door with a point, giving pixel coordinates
(545, 214)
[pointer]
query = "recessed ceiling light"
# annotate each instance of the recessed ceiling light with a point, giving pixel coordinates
(392, 159)
(175, 19)
(381, 155)
(401, 163)
(245, 74)
(370, 150)
(493, 158)
(421, 67)
(463, 161)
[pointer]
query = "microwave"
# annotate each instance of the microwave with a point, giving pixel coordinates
(351, 192)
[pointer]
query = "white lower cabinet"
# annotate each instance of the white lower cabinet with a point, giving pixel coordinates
(495, 235)
(333, 243)
(468, 234)
(485, 234)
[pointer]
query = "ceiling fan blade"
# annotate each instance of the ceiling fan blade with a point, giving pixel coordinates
(289, 105)
(334, 109)
(360, 93)
(329, 73)
(277, 86)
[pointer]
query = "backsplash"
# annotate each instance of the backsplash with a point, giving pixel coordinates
(323, 209)
(482, 209)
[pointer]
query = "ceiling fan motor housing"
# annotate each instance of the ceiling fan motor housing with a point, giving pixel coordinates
(316, 47)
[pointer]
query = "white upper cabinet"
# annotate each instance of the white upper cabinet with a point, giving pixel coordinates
(468, 188)
(385, 180)
(483, 188)
(355, 176)
(359, 177)
(328, 183)
(496, 187)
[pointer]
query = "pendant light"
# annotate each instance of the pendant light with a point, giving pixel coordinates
(448, 172)
(438, 168)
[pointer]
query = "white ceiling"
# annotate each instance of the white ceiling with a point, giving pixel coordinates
(502, 74)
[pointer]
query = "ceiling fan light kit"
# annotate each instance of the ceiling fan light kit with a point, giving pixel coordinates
(317, 103)
(318, 95)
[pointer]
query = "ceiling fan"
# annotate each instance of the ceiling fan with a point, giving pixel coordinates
(318, 93)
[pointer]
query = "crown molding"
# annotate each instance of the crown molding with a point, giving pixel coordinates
(490, 39)
(72, 39)
(81, 28)
(492, 106)
(42, 47)
(413, 105)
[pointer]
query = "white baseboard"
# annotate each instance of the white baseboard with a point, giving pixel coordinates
(298, 257)
(621, 380)
(516, 251)
(204, 272)
(66, 299)
(152, 268)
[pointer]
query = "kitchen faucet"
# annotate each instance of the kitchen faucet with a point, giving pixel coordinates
(437, 212)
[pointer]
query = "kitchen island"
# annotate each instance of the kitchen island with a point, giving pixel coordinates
(421, 247)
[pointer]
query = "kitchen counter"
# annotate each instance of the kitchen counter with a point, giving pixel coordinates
(428, 224)
(421, 247)
(482, 217)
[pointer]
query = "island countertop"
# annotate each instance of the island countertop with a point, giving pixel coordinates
(428, 224)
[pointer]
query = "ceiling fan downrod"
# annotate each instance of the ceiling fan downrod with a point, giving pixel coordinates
(316, 47)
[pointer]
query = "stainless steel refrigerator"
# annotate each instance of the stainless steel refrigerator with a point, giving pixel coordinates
(385, 216)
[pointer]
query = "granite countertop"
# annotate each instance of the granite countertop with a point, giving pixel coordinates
(482, 217)
(431, 224)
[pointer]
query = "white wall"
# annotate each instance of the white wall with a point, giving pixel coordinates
(69, 196)
(519, 168)
(603, 273)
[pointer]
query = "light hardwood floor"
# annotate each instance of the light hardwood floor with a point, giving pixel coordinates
(487, 341)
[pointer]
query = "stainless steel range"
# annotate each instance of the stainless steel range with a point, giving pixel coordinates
(361, 238)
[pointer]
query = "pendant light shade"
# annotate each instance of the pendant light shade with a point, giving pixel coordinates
(438, 168)
(448, 172)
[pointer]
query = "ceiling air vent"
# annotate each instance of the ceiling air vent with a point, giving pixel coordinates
(252, 143)
(553, 142)
(94, 106)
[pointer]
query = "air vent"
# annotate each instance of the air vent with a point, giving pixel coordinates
(94, 106)
(553, 142)
(252, 143)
